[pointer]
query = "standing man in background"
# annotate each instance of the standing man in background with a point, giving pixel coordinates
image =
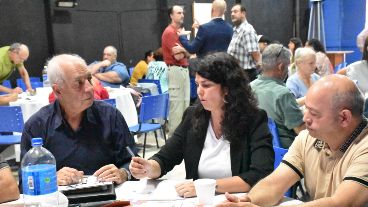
(177, 62)
(214, 36)
(244, 44)
(12, 57)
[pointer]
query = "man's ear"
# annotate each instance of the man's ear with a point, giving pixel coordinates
(56, 89)
(345, 117)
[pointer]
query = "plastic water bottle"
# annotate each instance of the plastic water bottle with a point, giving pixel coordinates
(45, 79)
(39, 177)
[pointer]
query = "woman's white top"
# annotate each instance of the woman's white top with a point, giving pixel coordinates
(215, 161)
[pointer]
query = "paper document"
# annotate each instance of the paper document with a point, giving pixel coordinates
(86, 182)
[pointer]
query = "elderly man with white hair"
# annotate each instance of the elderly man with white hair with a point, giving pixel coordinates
(85, 136)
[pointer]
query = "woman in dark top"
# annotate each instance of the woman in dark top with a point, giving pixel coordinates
(224, 137)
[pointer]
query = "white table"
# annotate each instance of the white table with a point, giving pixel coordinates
(125, 104)
(151, 86)
(162, 193)
(31, 104)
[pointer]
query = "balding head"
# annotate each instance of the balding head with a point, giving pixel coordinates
(338, 92)
(218, 8)
(18, 53)
(110, 53)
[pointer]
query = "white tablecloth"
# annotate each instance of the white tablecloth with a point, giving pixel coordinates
(162, 193)
(31, 104)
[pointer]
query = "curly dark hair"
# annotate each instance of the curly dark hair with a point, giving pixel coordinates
(240, 103)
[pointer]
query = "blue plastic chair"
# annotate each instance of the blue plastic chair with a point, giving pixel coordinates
(193, 89)
(152, 107)
(157, 82)
(11, 120)
(7, 84)
(111, 101)
(275, 135)
(279, 154)
(339, 67)
(35, 80)
(131, 71)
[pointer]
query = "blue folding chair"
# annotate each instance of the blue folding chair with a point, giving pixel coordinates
(279, 154)
(11, 120)
(275, 135)
(111, 101)
(152, 107)
(340, 66)
(157, 82)
(35, 80)
(193, 88)
(7, 84)
(131, 69)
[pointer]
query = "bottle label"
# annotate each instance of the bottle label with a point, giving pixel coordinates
(39, 179)
(44, 77)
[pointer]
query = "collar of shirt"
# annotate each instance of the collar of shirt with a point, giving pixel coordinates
(88, 113)
(262, 77)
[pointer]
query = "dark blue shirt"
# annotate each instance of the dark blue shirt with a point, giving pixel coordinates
(101, 139)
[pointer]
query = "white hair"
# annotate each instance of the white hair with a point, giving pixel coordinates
(302, 52)
(55, 71)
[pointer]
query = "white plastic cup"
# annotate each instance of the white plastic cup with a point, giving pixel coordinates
(205, 189)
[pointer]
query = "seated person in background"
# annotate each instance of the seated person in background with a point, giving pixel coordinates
(294, 43)
(12, 57)
(263, 42)
(157, 70)
(323, 64)
(5, 99)
(8, 186)
(331, 155)
(224, 137)
(274, 97)
(110, 72)
(99, 92)
(302, 80)
(358, 71)
(85, 136)
(140, 69)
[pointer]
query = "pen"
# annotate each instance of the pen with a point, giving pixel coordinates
(130, 151)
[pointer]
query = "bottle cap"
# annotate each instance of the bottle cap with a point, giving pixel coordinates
(37, 142)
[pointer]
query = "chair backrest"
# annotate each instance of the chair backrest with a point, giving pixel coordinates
(35, 80)
(154, 107)
(131, 71)
(11, 119)
(279, 154)
(275, 135)
(340, 66)
(157, 82)
(7, 84)
(111, 101)
(193, 88)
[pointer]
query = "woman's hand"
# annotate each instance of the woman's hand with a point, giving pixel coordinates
(139, 167)
(186, 190)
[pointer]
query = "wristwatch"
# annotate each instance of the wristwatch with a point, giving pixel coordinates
(129, 175)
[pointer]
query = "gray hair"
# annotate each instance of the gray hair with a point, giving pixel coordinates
(273, 55)
(113, 49)
(302, 52)
(55, 71)
(15, 47)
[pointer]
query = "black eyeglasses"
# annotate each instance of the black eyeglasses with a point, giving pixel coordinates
(279, 53)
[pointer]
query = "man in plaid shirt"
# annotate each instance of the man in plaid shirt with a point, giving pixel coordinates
(244, 44)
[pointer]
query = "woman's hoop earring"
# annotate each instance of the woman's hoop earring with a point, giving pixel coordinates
(223, 99)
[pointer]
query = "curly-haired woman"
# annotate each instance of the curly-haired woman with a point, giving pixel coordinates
(224, 137)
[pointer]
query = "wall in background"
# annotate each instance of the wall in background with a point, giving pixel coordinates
(344, 20)
(132, 26)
